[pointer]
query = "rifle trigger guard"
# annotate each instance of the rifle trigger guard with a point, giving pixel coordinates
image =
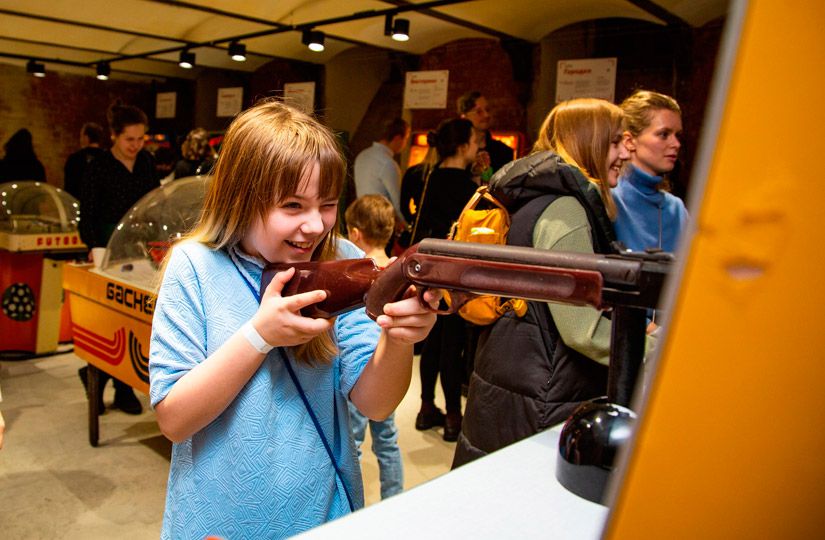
(421, 291)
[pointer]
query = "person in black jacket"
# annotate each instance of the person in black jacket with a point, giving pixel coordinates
(20, 161)
(91, 137)
(532, 371)
(117, 178)
(113, 182)
(474, 107)
(448, 187)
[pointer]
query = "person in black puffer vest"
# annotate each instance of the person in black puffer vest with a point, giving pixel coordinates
(531, 372)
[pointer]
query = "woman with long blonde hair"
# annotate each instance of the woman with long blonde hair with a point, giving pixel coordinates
(532, 371)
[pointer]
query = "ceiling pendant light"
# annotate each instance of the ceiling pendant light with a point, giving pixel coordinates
(187, 59)
(36, 68)
(314, 40)
(399, 29)
(237, 51)
(103, 71)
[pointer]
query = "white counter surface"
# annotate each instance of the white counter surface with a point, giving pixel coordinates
(512, 493)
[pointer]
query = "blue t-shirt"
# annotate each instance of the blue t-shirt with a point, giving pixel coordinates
(259, 470)
(375, 171)
(647, 217)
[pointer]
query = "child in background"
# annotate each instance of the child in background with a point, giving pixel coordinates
(370, 224)
(252, 394)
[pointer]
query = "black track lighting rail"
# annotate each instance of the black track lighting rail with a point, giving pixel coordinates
(222, 43)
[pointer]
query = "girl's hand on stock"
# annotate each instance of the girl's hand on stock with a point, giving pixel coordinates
(407, 321)
(279, 320)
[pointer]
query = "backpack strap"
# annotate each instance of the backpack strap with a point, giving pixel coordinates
(524, 220)
(481, 194)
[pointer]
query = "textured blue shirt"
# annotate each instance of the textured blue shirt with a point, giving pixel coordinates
(647, 217)
(259, 470)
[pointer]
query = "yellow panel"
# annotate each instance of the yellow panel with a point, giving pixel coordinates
(732, 439)
(51, 302)
(111, 324)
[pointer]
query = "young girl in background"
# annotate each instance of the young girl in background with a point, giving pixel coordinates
(448, 187)
(370, 225)
(252, 394)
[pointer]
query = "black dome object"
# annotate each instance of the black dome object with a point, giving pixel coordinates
(588, 444)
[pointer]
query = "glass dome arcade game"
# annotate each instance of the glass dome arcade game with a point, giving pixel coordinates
(112, 305)
(38, 232)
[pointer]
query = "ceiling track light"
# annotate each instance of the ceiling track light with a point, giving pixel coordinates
(314, 40)
(36, 68)
(186, 59)
(103, 71)
(398, 29)
(237, 51)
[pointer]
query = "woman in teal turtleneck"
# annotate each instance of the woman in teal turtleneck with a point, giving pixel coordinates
(647, 216)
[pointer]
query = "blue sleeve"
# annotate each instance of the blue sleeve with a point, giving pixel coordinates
(178, 340)
(357, 337)
(356, 333)
(348, 250)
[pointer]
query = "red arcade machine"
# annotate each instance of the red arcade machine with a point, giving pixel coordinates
(38, 231)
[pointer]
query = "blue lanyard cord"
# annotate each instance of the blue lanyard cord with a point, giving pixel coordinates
(297, 383)
(319, 430)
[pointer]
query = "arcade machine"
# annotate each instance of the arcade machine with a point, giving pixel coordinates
(38, 232)
(112, 305)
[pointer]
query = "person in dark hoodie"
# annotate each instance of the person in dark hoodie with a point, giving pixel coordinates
(20, 161)
(532, 371)
(91, 137)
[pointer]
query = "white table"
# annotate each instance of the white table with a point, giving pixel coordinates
(512, 493)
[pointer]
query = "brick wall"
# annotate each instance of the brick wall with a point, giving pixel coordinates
(475, 64)
(55, 107)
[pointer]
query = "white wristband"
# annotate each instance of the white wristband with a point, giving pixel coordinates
(255, 339)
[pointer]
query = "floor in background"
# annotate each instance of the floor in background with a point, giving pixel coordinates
(53, 484)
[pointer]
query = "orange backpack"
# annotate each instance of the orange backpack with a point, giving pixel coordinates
(488, 225)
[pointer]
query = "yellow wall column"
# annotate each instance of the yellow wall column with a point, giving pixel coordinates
(731, 442)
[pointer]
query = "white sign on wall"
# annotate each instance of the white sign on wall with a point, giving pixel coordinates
(229, 101)
(301, 96)
(165, 104)
(588, 77)
(426, 89)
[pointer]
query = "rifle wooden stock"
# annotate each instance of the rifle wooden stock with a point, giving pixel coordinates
(345, 282)
(467, 270)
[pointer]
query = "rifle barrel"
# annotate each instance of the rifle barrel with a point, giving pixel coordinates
(615, 271)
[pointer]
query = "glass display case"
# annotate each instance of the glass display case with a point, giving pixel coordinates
(36, 207)
(35, 216)
(143, 236)
(38, 230)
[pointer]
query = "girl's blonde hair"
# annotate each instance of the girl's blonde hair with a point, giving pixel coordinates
(266, 154)
(581, 132)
